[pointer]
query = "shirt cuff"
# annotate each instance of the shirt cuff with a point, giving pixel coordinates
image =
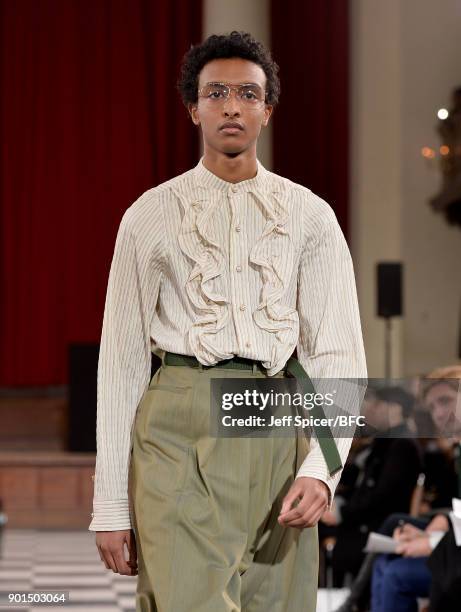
(314, 466)
(110, 515)
(435, 537)
(336, 508)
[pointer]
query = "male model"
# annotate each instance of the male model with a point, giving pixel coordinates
(222, 271)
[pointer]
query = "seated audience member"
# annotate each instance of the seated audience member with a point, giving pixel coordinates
(398, 580)
(445, 561)
(385, 485)
(441, 474)
(441, 447)
(445, 575)
(439, 398)
(359, 597)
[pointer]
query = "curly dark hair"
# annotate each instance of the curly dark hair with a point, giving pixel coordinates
(235, 44)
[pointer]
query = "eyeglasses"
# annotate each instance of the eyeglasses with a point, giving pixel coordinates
(251, 94)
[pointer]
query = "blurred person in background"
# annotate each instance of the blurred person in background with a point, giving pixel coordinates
(384, 485)
(441, 446)
(419, 536)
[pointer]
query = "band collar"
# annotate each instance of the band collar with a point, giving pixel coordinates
(207, 179)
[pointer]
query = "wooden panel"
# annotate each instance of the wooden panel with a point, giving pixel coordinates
(47, 490)
(30, 423)
(19, 487)
(59, 488)
(86, 482)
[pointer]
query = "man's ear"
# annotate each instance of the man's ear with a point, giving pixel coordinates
(193, 112)
(267, 113)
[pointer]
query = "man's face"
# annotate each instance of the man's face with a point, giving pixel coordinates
(441, 400)
(212, 114)
(383, 415)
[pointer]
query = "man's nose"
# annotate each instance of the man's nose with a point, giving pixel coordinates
(438, 413)
(231, 104)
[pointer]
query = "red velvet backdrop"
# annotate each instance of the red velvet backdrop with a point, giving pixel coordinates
(310, 42)
(90, 119)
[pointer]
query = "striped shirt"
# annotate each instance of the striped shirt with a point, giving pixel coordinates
(209, 268)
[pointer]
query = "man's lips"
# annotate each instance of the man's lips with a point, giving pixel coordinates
(231, 130)
(231, 127)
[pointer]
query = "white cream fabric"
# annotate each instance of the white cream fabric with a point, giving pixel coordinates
(214, 269)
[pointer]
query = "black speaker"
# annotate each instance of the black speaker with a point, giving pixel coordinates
(389, 289)
(83, 377)
(83, 370)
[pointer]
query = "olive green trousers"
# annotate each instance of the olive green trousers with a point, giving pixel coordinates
(204, 509)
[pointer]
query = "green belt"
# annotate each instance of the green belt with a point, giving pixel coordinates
(324, 435)
(236, 362)
(294, 368)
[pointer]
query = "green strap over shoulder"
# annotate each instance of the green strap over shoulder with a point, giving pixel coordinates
(323, 432)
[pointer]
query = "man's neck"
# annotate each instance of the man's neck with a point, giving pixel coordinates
(231, 169)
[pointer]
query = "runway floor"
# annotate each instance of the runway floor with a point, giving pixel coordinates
(37, 560)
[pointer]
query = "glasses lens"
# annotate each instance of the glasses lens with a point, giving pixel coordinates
(250, 94)
(215, 91)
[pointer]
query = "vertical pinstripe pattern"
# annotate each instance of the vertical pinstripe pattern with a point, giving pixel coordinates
(214, 269)
(208, 513)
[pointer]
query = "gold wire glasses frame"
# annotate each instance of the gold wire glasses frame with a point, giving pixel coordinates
(250, 94)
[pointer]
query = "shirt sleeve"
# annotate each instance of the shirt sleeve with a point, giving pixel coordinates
(330, 343)
(124, 364)
(435, 537)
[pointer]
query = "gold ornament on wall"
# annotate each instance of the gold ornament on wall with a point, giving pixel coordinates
(448, 201)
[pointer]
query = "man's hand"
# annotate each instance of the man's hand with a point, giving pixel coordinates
(438, 523)
(419, 547)
(313, 495)
(111, 548)
(329, 518)
(407, 533)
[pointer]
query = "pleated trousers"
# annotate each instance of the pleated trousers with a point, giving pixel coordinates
(204, 509)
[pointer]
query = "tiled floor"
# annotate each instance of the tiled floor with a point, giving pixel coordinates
(330, 600)
(63, 560)
(69, 561)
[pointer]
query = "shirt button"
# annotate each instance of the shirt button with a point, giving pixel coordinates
(248, 344)
(242, 307)
(234, 188)
(238, 268)
(237, 229)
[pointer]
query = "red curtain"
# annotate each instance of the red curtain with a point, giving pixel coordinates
(90, 118)
(310, 42)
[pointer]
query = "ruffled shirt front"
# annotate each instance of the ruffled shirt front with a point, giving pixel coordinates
(214, 269)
